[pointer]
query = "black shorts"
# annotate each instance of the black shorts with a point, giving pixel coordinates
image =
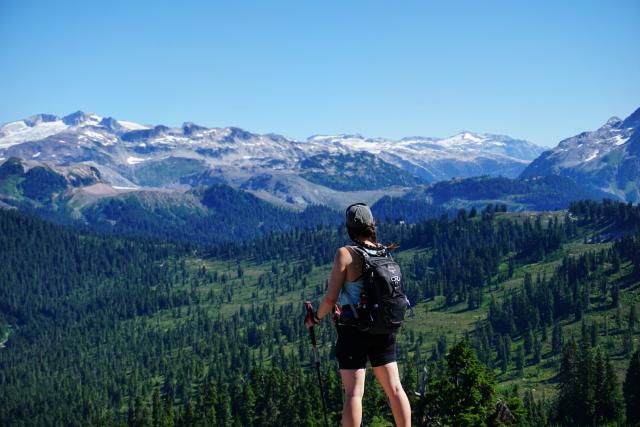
(354, 347)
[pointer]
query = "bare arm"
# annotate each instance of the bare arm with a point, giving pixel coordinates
(336, 279)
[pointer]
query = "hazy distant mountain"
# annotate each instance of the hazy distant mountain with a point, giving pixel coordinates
(319, 170)
(607, 159)
(77, 195)
(525, 194)
(435, 159)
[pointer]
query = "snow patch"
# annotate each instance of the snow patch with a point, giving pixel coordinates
(461, 141)
(117, 187)
(37, 154)
(135, 160)
(18, 132)
(169, 139)
(471, 137)
(619, 140)
(94, 135)
(132, 125)
(592, 156)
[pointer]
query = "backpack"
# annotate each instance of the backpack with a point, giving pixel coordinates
(383, 303)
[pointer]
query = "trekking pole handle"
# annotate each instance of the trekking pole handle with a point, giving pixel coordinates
(310, 316)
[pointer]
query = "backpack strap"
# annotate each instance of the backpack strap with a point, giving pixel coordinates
(360, 251)
(366, 252)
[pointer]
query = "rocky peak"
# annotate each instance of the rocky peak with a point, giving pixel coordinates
(189, 128)
(40, 118)
(77, 118)
(613, 122)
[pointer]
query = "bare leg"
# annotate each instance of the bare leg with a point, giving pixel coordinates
(353, 383)
(389, 379)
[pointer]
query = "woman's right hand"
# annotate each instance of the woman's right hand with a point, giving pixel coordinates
(309, 319)
(336, 315)
(309, 323)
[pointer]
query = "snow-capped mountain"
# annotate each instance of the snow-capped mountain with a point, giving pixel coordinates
(607, 159)
(435, 159)
(131, 155)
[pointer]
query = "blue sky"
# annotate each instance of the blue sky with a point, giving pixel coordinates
(540, 71)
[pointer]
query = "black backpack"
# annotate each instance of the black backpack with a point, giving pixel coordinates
(383, 303)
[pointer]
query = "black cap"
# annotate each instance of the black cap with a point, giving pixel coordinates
(359, 215)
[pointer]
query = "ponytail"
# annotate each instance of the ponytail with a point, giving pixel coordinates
(356, 234)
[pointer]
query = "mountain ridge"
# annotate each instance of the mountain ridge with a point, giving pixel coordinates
(606, 159)
(118, 148)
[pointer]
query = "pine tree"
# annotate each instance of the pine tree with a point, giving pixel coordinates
(633, 318)
(223, 407)
(557, 339)
(575, 401)
(607, 393)
(631, 389)
(615, 262)
(615, 295)
(157, 412)
(587, 380)
(627, 342)
(247, 406)
(463, 395)
(519, 359)
(594, 334)
(537, 351)
(528, 341)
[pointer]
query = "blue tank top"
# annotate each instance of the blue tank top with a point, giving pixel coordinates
(350, 293)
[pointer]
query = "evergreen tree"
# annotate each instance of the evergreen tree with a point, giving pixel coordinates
(588, 391)
(633, 317)
(464, 394)
(631, 389)
(607, 391)
(557, 339)
(519, 359)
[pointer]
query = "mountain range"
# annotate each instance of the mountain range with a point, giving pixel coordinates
(129, 155)
(212, 184)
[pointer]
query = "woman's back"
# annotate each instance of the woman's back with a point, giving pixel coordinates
(352, 286)
(354, 268)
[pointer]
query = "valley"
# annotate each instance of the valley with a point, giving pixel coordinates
(153, 323)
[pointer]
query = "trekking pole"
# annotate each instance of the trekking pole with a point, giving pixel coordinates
(316, 355)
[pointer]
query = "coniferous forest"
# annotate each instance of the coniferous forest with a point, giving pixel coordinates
(524, 319)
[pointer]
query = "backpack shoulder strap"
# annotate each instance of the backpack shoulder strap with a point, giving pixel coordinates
(360, 251)
(367, 253)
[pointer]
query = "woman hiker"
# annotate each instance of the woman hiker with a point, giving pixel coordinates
(354, 346)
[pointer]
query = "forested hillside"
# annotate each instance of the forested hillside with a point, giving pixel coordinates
(99, 330)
